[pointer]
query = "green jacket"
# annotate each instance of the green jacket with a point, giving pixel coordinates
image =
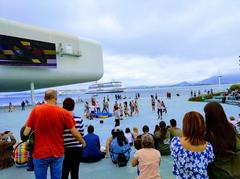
(163, 148)
(227, 167)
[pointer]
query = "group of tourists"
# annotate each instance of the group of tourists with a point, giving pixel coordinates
(161, 107)
(120, 109)
(203, 148)
(207, 148)
(195, 93)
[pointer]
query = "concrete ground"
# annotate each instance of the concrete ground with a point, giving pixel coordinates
(105, 169)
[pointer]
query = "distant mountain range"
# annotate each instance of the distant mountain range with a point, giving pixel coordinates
(225, 79)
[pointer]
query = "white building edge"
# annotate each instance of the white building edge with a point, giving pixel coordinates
(78, 60)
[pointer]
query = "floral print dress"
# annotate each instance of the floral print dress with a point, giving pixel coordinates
(188, 164)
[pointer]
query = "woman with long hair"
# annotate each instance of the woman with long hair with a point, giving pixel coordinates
(119, 145)
(225, 141)
(162, 139)
(191, 153)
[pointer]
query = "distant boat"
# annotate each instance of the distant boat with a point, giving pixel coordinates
(108, 87)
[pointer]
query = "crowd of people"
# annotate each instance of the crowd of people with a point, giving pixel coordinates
(119, 111)
(235, 94)
(195, 93)
(205, 147)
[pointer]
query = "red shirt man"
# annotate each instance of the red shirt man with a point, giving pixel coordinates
(48, 122)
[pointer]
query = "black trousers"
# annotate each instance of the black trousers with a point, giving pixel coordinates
(71, 162)
(160, 111)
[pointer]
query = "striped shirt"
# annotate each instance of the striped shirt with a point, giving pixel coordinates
(69, 140)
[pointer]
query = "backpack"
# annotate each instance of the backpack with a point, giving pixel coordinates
(30, 142)
(21, 154)
(121, 160)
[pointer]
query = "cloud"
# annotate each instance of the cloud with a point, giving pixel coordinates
(157, 42)
(162, 70)
(109, 24)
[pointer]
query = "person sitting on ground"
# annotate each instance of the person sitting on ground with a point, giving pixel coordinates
(157, 128)
(129, 136)
(109, 141)
(162, 139)
(225, 141)
(72, 147)
(135, 132)
(6, 149)
(145, 130)
(119, 146)
(92, 152)
(174, 131)
(138, 141)
(148, 159)
(191, 153)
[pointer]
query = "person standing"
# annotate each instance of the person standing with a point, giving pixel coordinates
(159, 109)
(73, 148)
(10, 107)
(23, 105)
(153, 102)
(49, 121)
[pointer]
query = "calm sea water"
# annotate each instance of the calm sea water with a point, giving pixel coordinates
(184, 92)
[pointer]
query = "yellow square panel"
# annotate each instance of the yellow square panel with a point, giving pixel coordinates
(49, 52)
(8, 52)
(25, 43)
(35, 60)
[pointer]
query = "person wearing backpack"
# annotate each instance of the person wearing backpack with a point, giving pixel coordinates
(118, 148)
(49, 121)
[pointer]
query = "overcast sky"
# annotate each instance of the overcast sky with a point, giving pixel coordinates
(155, 42)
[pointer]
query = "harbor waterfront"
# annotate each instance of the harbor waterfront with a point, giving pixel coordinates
(177, 106)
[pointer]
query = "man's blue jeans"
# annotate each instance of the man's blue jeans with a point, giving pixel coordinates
(41, 166)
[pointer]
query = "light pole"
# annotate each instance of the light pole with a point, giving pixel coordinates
(219, 82)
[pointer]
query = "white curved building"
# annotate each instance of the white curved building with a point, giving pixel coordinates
(33, 55)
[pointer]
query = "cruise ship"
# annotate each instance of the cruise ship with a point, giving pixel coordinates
(108, 87)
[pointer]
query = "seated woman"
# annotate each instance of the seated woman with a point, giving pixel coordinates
(118, 146)
(191, 153)
(6, 149)
(92, 152)
(162, 139)
(109, 141)
(225, 141)
(129, 136)
(148, 159)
